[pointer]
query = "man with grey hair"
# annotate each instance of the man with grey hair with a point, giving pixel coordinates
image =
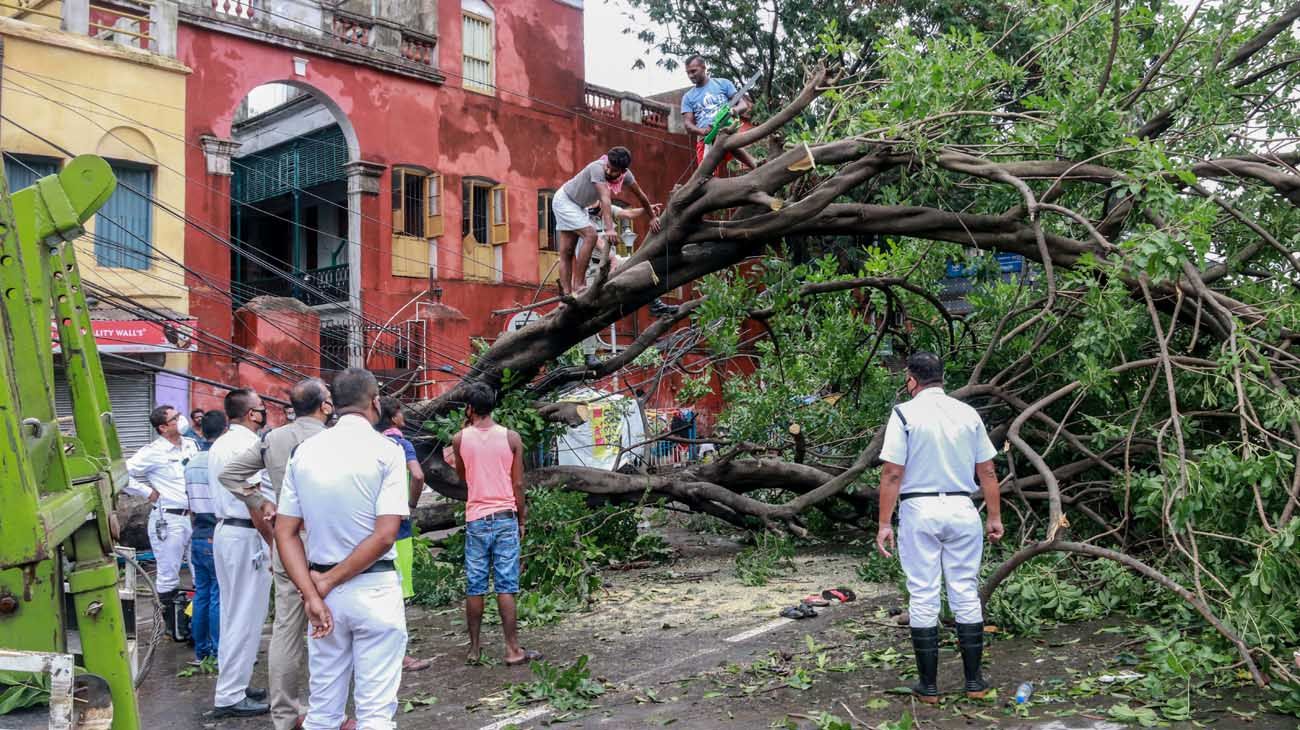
(287, 655)
(348, 488)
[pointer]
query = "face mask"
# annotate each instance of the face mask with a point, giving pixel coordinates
(182, 423)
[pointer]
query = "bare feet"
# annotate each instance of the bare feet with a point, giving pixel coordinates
(474, 655)
(524, 656)
(411, 664)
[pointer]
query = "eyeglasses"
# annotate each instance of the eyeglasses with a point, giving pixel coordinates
(174, 418)
(261, 410)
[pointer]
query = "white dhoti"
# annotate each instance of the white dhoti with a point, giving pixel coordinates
(366, 646)
(244, 577)
(169, 539)
(569, 216)
(940, 538)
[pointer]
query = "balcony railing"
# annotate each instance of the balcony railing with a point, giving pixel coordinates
(126, 23)
(352, 29)
(655, 115)
(601, 102)
(419, 49)
(327, 285)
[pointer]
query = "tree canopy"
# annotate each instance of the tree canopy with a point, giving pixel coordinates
(1142, 376)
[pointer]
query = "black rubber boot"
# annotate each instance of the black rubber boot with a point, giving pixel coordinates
(169, 614)
(970, 640)
(925, 644)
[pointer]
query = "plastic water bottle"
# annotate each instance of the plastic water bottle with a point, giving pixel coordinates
(1024, 692)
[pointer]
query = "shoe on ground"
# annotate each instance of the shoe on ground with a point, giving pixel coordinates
(255, 693)
(244, 708)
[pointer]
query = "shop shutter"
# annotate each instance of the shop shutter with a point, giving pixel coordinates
(131, 396)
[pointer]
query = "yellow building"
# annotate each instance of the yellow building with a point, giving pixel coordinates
(66, 93)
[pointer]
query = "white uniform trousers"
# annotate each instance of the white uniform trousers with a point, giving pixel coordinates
(169, 538)
(244, 577)
(366, 647)
(940, 537)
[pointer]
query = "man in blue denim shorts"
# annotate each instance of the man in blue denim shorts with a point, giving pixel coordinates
(490, 459)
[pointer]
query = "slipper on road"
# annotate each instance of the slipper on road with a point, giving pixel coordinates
(815, 600)
(841, 594)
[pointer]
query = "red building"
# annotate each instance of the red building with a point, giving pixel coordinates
(398, 187)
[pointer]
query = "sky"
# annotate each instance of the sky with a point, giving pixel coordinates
(610, 53)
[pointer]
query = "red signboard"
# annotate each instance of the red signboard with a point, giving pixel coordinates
(139, 335)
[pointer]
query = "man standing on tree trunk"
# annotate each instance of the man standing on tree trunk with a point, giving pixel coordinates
(490, 460)
(700, 107)
(935, 447)
(596, 183)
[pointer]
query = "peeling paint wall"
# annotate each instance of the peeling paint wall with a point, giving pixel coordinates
(526, 137)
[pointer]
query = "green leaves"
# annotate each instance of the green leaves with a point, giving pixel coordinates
(565, 690)
(19, 690)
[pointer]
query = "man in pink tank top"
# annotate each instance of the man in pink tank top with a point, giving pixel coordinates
(490, 460)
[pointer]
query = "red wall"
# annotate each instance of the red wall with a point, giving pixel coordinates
(525, 144)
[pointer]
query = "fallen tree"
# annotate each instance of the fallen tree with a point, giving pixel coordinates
(1142, 373)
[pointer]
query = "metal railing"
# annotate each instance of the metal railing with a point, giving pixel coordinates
(328, 285)
(112, 21)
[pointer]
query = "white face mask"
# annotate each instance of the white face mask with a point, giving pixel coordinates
(182, 423)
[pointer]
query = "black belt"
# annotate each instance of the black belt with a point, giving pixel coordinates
(909, 495)
(237, 522)
(175, 511)
(379, 566)
(505, 514)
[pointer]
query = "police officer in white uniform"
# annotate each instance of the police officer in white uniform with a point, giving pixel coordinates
(241, 549)
(935, 447)
(348, 487)
(159, 472)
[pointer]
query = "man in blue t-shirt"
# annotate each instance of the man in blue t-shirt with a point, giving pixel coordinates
(700, 107)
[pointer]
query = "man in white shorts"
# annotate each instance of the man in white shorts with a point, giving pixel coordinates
(596, 183)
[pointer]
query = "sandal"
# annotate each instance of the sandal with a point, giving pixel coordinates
(815, 600)
(841, 594)
(529, 656)
(802, 610)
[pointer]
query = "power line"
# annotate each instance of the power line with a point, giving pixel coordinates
(162, 206)
(381, 223)
(561, 110)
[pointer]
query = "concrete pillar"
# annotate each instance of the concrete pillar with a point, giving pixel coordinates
(284, 330)
(630, 110)
(363, 179)
(217, 152)
(450, 329)
(676, 125)
(76, 16)
(163, 17)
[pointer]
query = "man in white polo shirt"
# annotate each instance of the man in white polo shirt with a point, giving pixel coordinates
(348, 487)
(241, 549)
(935, 447)
(160, 466)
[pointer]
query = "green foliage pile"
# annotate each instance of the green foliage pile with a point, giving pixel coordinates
(1197, 494)
(566, 542)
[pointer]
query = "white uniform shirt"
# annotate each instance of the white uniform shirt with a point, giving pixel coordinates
(940, 445)
(339, 481)
(223, 451)
(161, 464)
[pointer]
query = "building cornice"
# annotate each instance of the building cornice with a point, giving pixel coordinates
(86, 44)
(202, 17)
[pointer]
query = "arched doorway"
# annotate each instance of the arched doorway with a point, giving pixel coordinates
(296, 226)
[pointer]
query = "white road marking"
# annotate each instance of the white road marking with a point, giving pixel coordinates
(776, 624)
(532, 714)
